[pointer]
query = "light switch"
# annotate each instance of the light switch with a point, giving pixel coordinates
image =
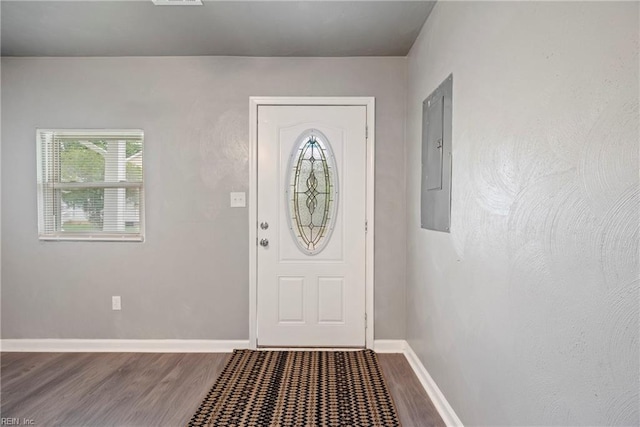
(116, 303)
(238, 200)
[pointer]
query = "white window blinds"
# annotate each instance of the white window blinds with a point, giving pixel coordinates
(90, 185)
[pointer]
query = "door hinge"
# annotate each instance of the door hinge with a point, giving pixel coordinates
(365, 320)
(366, 131)
(366, 226)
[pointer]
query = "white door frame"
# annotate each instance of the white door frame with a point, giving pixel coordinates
(254, 103)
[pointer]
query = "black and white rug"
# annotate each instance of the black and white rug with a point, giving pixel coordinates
(299, 388)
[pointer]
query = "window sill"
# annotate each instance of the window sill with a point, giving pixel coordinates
(92, 238)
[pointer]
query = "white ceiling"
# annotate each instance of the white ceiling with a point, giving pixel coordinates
(234, 28)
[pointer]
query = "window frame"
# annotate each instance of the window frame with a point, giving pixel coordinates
(57, 184)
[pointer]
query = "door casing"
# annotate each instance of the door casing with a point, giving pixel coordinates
(252, 200)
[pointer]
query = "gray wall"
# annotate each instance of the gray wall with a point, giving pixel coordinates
(527, 313)
(189, 279)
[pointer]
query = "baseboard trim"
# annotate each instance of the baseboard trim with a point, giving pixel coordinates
(121, 346)
(389, 346)
(445, 410)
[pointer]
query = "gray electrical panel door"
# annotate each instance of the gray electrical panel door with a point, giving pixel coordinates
(432, 144)
(436, 158)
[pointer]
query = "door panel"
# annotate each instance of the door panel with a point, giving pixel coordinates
(330, 299)
(311, 274)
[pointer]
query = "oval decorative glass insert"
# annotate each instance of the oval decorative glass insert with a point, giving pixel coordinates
(312, 192)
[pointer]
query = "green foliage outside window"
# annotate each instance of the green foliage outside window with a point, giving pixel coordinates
(80, 163)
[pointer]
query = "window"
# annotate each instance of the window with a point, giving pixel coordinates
(90, 185)
(312, 194)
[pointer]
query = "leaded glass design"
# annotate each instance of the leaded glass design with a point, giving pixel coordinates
(312, 194)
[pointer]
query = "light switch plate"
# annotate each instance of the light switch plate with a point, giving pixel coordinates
(238, 200)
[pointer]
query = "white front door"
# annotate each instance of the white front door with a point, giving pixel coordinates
(311, 225)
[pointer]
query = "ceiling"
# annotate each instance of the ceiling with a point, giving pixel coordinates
(233, 28)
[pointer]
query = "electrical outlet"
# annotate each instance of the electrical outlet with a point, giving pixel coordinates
(116, 303)
(238, 200)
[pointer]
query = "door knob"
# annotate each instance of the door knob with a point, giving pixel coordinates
(264, 242)
(264, 225)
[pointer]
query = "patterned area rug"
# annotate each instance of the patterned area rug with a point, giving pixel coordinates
(299, 388)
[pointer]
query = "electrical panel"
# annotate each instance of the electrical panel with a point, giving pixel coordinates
(435, 201)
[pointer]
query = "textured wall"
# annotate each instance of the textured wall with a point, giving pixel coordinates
(189, 279)
(527, 313)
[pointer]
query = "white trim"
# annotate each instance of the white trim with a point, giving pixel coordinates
(122, 346)
(309, 349)
(371, 187)
(389, 346)
(445, 410)
(252, 201)
(210, 1)
(177, 2)
(87, 132)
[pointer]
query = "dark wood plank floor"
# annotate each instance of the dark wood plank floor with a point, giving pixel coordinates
(412, 402)
(148, 389)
